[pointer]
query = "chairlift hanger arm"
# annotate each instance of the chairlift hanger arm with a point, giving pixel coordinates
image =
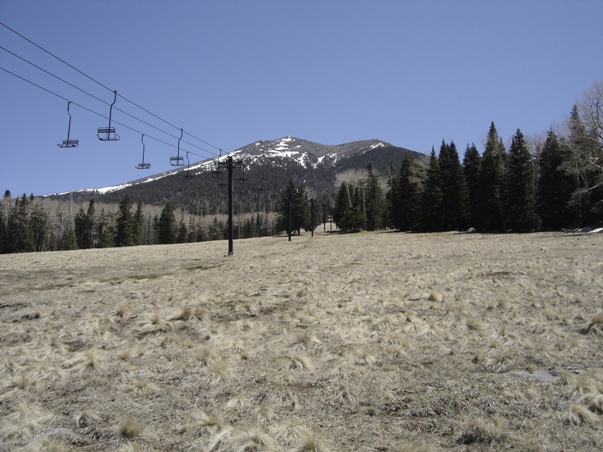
(178, 160)
(108, 133)
(69, 143)
(143, 164)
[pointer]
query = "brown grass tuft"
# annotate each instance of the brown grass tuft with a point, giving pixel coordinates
(306, 339)
(299, 361)
(129, 429)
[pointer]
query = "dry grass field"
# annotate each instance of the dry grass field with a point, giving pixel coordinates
(363, 342)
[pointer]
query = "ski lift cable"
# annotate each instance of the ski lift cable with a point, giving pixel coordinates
(86, 108)
(107, 103)
(53, 75)
(54, 56)
(104, 86)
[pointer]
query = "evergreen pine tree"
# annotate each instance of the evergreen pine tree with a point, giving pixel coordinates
(492, 196)
(374, 200)
(431, 204)
(357, 220)
(138, 225)
(124, 232)
(472, 167)
(167, 228)
(520, 187)
(555, 186)
(408, 198)
(455, 197)
(294, 202)
(343, 207)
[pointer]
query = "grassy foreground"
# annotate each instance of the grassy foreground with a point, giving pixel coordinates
(365, 342)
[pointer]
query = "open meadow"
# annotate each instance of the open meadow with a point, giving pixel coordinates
(356, 342)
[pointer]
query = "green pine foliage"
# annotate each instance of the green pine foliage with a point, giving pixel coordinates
(455, 197)
(472, 168)
(166, 227)
(520, 187)
(491, 212)
(293, 209)
(432, 213)
(124, 231)
(555, 186)
(406, 197)
(375, 202)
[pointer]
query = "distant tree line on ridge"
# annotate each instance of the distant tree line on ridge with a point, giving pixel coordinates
(26, 225)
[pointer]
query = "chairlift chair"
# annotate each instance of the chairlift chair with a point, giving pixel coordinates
(69, 143)
(177, 160)
(108, 133)
(143, 165)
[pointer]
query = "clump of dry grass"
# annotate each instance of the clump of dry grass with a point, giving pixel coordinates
(129, 429)
(481, 432)
(83, 361)
(305, 339)
(301, 361)
(597, 319)
(579, 414)
(184, 314)
(253, 440)
(24, 421)
(86, 418)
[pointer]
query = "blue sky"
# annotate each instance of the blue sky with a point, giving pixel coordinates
(232, 72)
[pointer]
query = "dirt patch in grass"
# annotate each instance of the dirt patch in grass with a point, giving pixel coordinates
(356, 342)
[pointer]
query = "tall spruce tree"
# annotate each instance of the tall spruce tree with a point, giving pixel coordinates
(555, 186)
(520, 187)
(472, 167)
(492, 192)
(138, 225)
(124, 232)
(374, 200)
(357, 221)
(431, 205)
(167, 228)
(454, 189)
(343, 206)
(294, 204)
(408, 198)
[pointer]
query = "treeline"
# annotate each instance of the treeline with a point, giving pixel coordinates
(26, 225)
(558, 186)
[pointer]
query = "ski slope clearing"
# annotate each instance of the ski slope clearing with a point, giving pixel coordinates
(356, 342)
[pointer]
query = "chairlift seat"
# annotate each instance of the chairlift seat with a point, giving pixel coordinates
(177, 161)
(109, 134)
(69, 144)
(143, 165)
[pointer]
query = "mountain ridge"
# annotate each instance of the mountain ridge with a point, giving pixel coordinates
(268, 166)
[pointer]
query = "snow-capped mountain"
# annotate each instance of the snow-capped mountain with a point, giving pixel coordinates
(287, 150)
(267, 166)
